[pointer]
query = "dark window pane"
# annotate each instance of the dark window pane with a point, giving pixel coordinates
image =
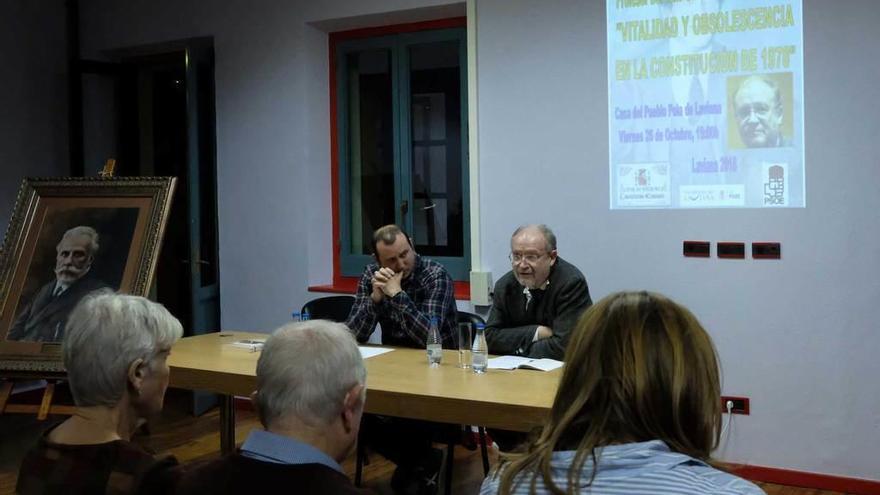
(371, 145)
(435, 123)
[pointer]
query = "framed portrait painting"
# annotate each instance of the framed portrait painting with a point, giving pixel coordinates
(68, 238)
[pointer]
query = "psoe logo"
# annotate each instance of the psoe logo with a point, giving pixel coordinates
(775, 184)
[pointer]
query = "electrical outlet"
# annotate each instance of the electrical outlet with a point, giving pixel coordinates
(766, 250)
(740, 405)
(481, 288)
(696, 249)
(731, 250)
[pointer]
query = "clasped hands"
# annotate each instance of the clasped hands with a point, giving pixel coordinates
(385, 283)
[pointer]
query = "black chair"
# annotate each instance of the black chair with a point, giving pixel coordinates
(333, 308)
(472, 318)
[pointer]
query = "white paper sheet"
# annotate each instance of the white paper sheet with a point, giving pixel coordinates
(513, 362)
(368, 352)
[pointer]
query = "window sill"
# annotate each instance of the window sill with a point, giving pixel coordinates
(348, 285)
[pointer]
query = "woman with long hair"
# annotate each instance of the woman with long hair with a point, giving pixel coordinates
(638, 409)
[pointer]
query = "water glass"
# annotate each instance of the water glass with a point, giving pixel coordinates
(465, 341)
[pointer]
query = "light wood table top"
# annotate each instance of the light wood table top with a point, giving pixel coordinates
(399, 383)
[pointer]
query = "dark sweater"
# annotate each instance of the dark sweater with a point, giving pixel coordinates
(511, 326)
(236, 474)
(116, 468)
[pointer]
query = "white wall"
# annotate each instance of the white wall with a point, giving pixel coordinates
(33, 96)
(798, 336)
(273, 130)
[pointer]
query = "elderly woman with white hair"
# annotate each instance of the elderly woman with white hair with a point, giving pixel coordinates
(115, 350)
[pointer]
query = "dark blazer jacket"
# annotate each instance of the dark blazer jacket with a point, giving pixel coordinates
(43, 319)
(236, 474)
(511, 325)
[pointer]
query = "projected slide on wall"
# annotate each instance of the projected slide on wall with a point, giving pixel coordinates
(706, 103)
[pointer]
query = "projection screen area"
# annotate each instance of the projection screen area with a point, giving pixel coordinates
(705, 104)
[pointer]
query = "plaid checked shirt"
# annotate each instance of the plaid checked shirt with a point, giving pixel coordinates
(405, 318)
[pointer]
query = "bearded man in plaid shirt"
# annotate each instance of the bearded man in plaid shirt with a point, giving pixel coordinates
(402, 292)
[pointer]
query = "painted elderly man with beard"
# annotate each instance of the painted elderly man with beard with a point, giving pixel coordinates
(44, 318)
(538, 302)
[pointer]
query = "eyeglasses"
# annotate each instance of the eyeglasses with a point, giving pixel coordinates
(528, 258)
(759, 110)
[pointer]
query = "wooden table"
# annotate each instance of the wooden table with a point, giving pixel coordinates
(399, 383)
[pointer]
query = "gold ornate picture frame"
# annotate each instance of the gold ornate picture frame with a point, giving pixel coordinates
(69, 237)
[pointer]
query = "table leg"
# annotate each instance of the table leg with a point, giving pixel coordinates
(484, 450)
(227, 424)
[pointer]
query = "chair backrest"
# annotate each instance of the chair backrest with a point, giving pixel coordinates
(333, 308)
(473, 319)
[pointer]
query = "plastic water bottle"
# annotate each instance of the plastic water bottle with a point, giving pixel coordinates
(480, 350)
(295, 316)
(435, 346)
(306, 316)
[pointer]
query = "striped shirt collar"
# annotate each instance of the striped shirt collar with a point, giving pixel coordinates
(631, 458)
(642, 468)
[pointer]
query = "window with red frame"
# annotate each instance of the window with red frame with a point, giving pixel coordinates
(400, 130)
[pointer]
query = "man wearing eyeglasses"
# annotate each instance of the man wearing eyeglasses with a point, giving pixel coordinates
(538, 302)
(758, 106)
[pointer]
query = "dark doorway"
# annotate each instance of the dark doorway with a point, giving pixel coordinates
(152, 109)
(161, 143)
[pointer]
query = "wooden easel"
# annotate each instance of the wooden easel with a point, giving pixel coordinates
(109, 169)
(45, 408)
